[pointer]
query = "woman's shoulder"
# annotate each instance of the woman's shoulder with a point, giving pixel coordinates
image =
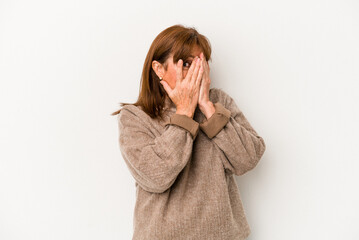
(132, 118)
(218, 95)
(135, 116)
(130, 112)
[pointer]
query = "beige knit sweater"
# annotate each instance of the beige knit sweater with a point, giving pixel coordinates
(183, 170)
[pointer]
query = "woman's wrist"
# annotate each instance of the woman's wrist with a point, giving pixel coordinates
(184, 112)
(207, 108)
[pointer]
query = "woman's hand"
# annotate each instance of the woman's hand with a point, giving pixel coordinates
(206, 81)
(205, 105)
(186, 92)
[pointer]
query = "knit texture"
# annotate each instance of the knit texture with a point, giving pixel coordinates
(184, 170)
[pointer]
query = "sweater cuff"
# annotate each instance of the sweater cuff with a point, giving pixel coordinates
(185, 122)
(212, 126)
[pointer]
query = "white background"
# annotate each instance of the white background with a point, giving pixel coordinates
(291, 66)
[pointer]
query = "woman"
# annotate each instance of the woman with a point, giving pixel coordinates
(182, 142)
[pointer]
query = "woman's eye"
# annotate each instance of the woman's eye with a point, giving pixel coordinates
(186, 64)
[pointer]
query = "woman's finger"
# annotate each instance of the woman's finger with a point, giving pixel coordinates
(200, 74)
(205, 63)
(191, 69)
(179, 66)
(195, 71)
(167, 88)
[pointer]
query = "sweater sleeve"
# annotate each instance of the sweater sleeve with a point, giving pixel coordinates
(229, 129)
(155, 161)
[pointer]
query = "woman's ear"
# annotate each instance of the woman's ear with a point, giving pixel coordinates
(158, 68)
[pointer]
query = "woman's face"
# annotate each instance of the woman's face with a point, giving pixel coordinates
(170, 75)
